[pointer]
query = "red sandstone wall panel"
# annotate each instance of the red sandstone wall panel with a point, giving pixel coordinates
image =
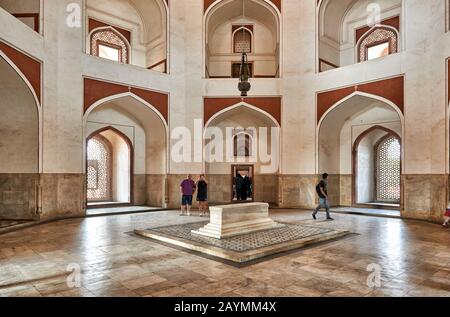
(393, 22)
(30, 67)
(93, 24)
(95, 90)
(271, 105)
(391, 89)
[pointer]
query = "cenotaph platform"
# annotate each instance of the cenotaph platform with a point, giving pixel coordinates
(235, 220)
(241, 233)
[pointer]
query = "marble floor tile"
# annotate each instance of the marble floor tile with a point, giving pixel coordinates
(414, 258)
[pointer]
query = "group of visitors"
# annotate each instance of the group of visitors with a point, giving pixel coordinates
(243, 187)
(243, 191)
(188, 189)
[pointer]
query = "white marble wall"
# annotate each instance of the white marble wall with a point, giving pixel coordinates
(422, 61)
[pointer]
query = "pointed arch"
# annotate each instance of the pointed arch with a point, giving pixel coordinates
(36, 102)
(146, 104)
(390, 35)
(121, 95)
(341, 102)
(131, 156)
(355, 150)
(235, 33)
(244, 105)
(363, 94)
(269, 5)
(117, 41)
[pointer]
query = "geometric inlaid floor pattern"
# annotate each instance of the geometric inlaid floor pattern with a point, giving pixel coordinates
(247, 247)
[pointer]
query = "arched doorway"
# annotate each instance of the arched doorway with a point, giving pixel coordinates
(130, 118)
(359, 145)
(19, 146)
(247, 133)
(377, 167)
(109, 168)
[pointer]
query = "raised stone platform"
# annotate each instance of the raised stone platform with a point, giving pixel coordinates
(246, 247)
(234, 220)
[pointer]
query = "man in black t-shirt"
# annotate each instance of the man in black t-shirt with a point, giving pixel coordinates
(322, 192)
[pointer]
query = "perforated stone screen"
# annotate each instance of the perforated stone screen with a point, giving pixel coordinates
(242, 42)
(99, 170)
(378, 36)
(388, 157)
(109, 37)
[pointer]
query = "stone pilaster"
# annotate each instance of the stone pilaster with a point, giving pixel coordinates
(424, 196)
(19, 196)
(62, 196)
(156, 190)
(139, 189)
(298, 191)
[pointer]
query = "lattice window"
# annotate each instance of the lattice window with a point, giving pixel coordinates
(242, 41)
(108, 44)
(388, 174)
(380, 37)
(242, 145)
(99, 170)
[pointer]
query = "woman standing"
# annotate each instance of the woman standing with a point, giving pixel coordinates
(202, 195)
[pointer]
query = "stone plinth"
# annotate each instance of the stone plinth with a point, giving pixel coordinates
(234, 220)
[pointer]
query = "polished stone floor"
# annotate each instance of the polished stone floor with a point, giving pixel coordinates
(10, 223)
(413, 258)
(119, 210)
(367, 211)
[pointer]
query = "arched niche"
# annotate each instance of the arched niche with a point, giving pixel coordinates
(109, 168)
(377, 167)
(19, 145)
(338, 131)
(342, 23)
(145, 22)
(146, 129)
(261, 18)
(241, 120)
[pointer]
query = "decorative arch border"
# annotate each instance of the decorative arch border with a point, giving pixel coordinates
(209, 5)
(389, 90)
(9, 58)
(346, 97)
(27, 67)
(131, 157)
(269, 106)
(97, 92)
(119, 34)
(252, 38)
(372, 30)
(355, 147)
(241, 103)
(117, 95)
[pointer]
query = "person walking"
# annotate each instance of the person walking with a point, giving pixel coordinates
(202, 195)
(187, 188)
(322, 192)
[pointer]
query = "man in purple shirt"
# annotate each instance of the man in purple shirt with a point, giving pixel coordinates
(188, 188)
